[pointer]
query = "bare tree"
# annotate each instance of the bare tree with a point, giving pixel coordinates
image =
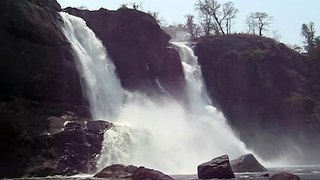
(206, 20)
(275, 35)
(258, 21)
(230, 12)
(251, 25)
(216, 17)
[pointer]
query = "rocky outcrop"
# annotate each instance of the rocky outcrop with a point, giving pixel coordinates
(247, 163)
(216, 168)
(45, 124)
(36, 60)
(120, 171)
(45, 127)
(78, 146)
(284, 176)
(47, 139)
(139, 49)
(265, 91)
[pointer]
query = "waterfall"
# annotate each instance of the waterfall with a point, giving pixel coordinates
(196, 90)
(158, 134)
(102, 86)
(165, 135)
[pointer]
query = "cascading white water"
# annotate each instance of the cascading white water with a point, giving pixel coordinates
(102, 85)
(168, 137)
(164, 135)
(197, 93)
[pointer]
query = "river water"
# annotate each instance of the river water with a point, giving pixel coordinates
(304, 173)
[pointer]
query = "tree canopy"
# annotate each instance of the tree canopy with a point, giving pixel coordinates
(216, 17)
(258, 22)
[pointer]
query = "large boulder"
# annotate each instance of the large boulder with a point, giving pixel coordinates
(139, 48)
(284, 176)
(266, 92)
(216, 168)
(247, 163)
(120, 171)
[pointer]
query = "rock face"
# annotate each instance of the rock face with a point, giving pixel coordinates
(266, 92)
(47, 139)
(216, 168)
(45, 125)
(247, 163)
(284, 176)
(131, 172)
(139, 49)
(36, 60)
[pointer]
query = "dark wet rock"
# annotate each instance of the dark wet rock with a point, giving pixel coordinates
(36, 60)
(117, 171)
(265, 90)
(139, 49)
(143, 173)
(131, 172)
(284, 176)
(247, 163)
(78, 146)
(265, 175)
(216, 168)
(47, 139)
(41, 93)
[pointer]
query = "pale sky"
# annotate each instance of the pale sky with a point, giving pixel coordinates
(288, 14)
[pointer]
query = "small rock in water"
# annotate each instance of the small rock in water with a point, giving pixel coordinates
(216, 168)
(247, 163)
(123, 172)
(117, 171)
(143, 173)
(284, 176)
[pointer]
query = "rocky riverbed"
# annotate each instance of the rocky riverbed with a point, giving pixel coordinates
(304, 173)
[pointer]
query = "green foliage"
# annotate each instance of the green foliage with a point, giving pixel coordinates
(311, 41)
(308, 33)
(123, 6)
(296, 48)
(133, 5)
(191, 27)
(255, 53)
(161, 21)
(82, 7)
